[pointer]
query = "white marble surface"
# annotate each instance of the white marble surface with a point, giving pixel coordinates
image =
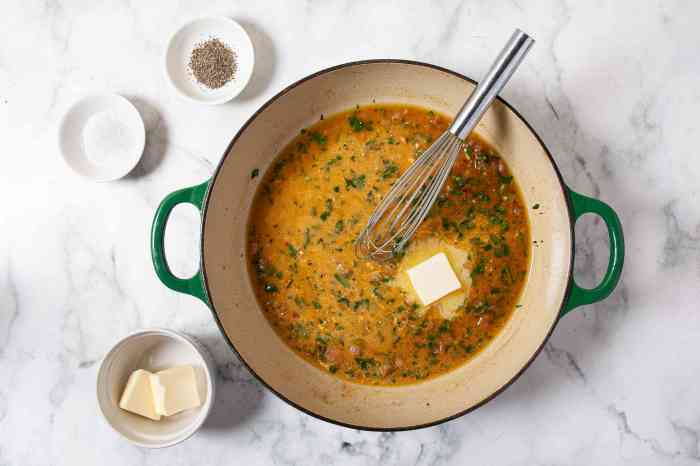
(613, 88)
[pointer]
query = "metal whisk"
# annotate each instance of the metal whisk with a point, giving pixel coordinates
(406, 205)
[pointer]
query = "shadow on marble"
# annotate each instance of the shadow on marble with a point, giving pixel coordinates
(265, 61)
(156, 137)
(239, 395)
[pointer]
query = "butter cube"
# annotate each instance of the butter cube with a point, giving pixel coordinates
(138, 396)
(433, 279)
(175, 390)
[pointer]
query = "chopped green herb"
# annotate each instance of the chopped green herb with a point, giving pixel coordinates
(483, 157)
(343, 280)
(479, 268)
(506, 275)
(358, 125)
(365, 363)
(322, 339)
(390, 169)
(444, 326)
(498, 219)
(254, 173)
(466, 225)
(535, 207)
(332, 162)
(316, 304)
(339, 225)
(445, 223)
(502, 251)
(299, 330)
(357, 181)
(319, 139)
(343, 300)
(458, 183)
(361, 303)
(373, 144)
(292, 250)
(270, 288)
(329, 208)
(482, 197)
(480, 308)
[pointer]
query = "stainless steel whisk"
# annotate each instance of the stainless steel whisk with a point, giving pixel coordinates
(406, 205)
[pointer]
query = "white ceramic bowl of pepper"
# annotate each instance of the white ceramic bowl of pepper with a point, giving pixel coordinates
(209, 60)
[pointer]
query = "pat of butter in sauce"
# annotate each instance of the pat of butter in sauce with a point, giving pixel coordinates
(417, 253)
(433, 279)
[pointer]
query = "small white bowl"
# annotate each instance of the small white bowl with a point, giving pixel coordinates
(72, 138)
(154, 350)
(179, 49)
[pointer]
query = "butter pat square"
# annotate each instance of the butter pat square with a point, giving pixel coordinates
(138, 397)
(433, 279)
(175, 390)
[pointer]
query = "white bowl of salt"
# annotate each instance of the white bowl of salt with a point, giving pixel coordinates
(102, 137)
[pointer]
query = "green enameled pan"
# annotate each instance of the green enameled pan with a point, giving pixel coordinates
(223, 284)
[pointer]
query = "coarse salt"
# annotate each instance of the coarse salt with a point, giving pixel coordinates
(107, 140)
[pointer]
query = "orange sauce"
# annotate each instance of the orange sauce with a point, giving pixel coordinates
(347, 316)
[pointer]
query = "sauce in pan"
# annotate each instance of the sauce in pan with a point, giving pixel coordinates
(361, 320)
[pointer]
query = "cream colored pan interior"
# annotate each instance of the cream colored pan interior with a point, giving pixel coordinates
(231, 294)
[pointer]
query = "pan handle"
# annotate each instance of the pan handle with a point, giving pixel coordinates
(579, 296)
(194, 285)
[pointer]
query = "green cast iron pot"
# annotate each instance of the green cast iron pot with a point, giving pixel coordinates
(224, 285)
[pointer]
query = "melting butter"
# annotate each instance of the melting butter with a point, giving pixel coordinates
(421, 250)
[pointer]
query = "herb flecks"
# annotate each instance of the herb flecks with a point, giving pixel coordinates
(390, 169)
(343, 280)
(319, 139)
(329, 208)
(271, 288)
(357, 181)
(358, 125)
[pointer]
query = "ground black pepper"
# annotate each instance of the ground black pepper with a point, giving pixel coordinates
(213, 63)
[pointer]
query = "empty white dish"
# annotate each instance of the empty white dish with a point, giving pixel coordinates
(179, 49)
(102, 137)
(154, 350)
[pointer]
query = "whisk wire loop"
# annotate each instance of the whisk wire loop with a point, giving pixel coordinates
(408, 202)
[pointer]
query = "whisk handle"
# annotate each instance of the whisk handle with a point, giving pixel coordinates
(498, 75)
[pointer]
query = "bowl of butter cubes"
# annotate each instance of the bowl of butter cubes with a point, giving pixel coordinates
(156, 387)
